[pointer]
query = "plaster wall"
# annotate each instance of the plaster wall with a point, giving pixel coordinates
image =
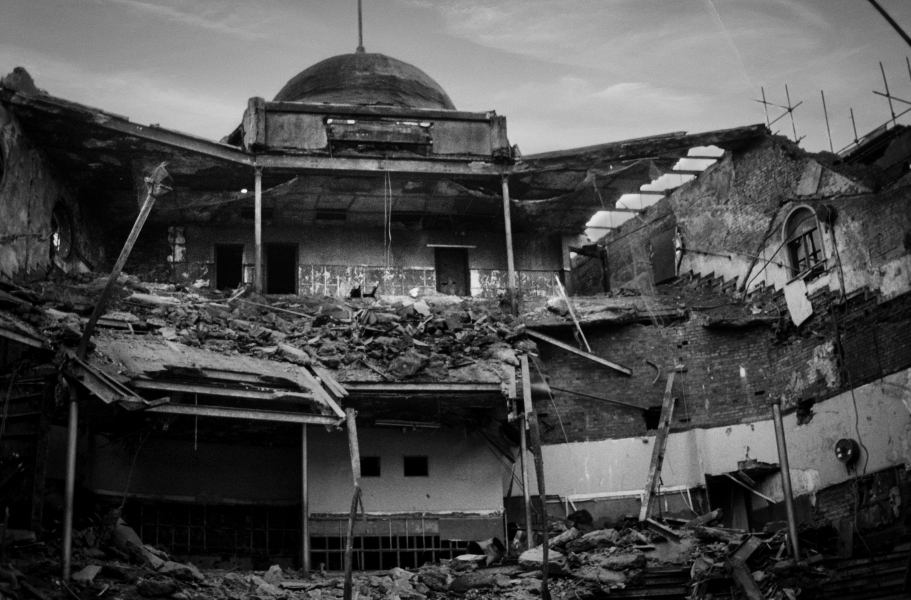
(344, 246)
(464, 476)
(883, 420)
(333, 260)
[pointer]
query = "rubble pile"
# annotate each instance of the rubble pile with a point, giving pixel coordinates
(584, 563)
(395, 337)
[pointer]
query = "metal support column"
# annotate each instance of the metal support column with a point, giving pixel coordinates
(510, 259)
(258, 228)
(526, 495)
(785, 477)
(305, 505)
(70, 483)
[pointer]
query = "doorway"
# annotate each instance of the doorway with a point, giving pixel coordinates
(452, 271)
(229, 266)
(281, 268)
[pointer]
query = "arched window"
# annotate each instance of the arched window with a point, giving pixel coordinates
(803, 240)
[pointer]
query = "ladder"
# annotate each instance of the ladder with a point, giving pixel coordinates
(654, 469)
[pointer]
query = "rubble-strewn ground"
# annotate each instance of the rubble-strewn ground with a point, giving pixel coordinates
(110, 561)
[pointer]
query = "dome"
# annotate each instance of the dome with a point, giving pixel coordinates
(363, 78)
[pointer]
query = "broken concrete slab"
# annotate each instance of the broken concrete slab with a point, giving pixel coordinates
(534, 559)
(599, 538)
(180, 571)
(86, 574)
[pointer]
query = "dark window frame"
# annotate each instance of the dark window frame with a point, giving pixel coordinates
(412, 467)
(367, 464)
(215, 252)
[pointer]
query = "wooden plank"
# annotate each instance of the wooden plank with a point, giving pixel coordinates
(526, 385)
(745, 486)
(531, 417)
(242, 413)
(572, 313)
(744, 579)
(654, 468)
(747, 549)
(553, 341)
(326, 376)
(423, 388)
(662, 530)
(153, 189)
(209, 390)
(22, 339)
(354, 451)
(320, 392)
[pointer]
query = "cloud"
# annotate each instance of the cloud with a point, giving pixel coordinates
(574, 111)
(163, 100)
(223, 17)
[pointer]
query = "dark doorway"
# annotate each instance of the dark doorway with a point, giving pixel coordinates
(452, 271)
(229, 266)
(281, 269)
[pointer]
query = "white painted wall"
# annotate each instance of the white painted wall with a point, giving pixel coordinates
(883, 419)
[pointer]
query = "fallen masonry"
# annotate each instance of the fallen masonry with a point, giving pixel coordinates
(707, 562)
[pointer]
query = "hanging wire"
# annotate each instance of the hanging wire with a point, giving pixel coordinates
(387, 220)
(126, 489)
(195, 423)
(534, 361)
(9, 399)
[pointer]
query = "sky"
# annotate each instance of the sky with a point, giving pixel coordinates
(566, 73)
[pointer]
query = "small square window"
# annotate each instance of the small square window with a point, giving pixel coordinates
(416, 466)
(370, 466)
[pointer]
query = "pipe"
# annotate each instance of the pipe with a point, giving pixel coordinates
(258, 228)
(305, 506)
(785, 477)
(70, 485)
(523, 451)
(510, 259)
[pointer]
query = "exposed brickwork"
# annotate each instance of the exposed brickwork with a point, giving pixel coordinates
(799, 365)
(732, 207)
(873, 503)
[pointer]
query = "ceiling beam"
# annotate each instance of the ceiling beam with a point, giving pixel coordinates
(244, 413)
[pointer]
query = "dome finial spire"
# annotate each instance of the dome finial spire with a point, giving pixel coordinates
(360, 29)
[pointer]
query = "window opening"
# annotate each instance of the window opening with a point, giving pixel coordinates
(61, 233)
(416, 466)
(370, 466)
(803, 240)
(178, 244)
(281, 269)
(452, 271)
(229, 266)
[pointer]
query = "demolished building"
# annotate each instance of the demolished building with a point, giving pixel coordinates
(408, 263)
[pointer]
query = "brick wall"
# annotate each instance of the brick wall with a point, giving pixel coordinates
(877, 506)
(731, 373)
(732, 207)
